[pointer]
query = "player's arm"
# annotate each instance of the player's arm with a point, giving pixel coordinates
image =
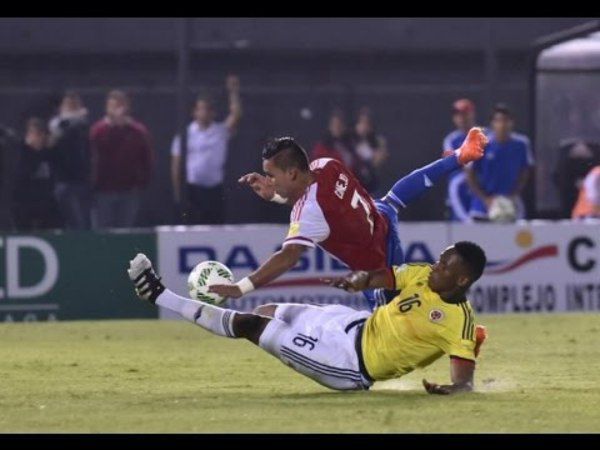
(279, 263)
(521, 182)
(361, 280)
(476, 187)
(176, 176)
(232, 83)
(148, 158)
(461, 373)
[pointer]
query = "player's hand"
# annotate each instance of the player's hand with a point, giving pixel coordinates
(433, 388)
(232, 83)
(260, 184)
(226, 290)
(354, 282)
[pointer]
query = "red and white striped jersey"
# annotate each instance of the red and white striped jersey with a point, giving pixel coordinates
(339, 215)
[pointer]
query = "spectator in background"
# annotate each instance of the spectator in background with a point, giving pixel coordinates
(33, 204)
(337, 143)
(588, 202)
(458, 199)
(575, 158)
(121, 164)
(505, 167)
(207, 147)
(69, 141)
(370, 148)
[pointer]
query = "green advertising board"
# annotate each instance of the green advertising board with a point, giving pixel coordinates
(71, 276)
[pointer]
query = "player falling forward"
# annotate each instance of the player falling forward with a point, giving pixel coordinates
(346, 349)
(331, 209)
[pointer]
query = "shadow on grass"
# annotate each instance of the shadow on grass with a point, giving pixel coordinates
(375, 396)
(354, 395)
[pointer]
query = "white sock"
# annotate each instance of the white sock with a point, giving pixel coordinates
(212, 318)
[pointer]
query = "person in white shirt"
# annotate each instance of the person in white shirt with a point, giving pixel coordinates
(207, 147)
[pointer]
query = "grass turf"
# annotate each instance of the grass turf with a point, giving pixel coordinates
(536, 374)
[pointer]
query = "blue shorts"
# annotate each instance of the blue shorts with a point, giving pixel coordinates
(395, 255)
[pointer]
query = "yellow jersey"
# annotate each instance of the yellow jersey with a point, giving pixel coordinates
(416, 327)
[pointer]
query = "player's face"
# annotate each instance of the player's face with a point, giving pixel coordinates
(282, 180)
(364, 126)
(35, 138)
(463, 120)
(69, 104)
(116, 108)
(337, 127)
(502, 125)
(448, 272)
(203, 112)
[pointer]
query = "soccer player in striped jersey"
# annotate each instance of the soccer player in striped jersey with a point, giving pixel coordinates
(346, 349)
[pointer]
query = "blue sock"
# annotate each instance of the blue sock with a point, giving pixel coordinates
(417, 182)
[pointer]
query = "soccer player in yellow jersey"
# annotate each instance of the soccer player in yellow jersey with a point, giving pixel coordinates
(346, 349)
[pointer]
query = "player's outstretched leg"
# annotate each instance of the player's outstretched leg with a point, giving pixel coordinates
(219, 321)
(417, 182)
(331, 364)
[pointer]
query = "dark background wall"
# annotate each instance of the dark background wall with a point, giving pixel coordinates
(407, 70)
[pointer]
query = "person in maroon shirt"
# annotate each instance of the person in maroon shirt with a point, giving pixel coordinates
(121, 164)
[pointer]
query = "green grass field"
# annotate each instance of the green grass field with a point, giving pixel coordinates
(536, 374)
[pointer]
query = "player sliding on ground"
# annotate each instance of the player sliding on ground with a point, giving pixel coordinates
(346, 349)
(331, 209)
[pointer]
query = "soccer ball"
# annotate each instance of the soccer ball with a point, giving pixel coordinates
(205, 274)
(502, 209)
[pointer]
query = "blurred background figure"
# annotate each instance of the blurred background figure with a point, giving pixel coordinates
(575, 158)
(337, 142)
(458, 199)
(69, 141)
(371, 149)
(505, 168)
(588, 202)
(207, 149)
(121, 164)
(33, 204)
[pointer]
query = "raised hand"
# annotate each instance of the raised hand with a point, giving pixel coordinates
(232, 83)
(259, 184)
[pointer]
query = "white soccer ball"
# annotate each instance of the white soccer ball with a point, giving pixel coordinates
(206, 274)
(502, 209)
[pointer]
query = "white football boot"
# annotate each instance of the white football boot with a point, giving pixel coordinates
(146, 282)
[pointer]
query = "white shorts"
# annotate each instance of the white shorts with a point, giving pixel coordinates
(319, 342)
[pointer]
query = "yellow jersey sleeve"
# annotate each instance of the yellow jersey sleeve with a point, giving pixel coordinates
(407, 274)
(462, 348)
(458, 338)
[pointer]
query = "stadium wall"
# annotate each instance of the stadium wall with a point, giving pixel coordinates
(533, 267)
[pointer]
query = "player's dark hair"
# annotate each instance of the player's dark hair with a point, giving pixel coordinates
(501, 108)
(473, 257)
(120, 96)
(286, 153)
(73, 95)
